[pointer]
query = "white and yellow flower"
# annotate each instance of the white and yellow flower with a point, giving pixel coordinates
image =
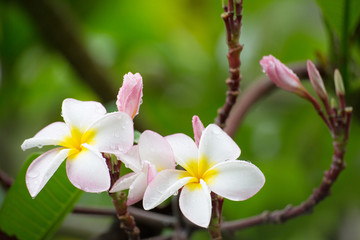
(212, 166)
(87, 132)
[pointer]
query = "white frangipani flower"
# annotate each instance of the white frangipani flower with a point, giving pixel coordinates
(87, 132)
(210, 167)
(151, 155)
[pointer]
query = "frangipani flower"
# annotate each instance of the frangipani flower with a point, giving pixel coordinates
(87, 132)
(282, 76)
(151, 155)
(130, 94)
(210, 167)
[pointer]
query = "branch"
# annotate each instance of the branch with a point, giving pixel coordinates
(253, 94)
(233, 32)
(289, 212)
(53, 23)
(340, 134)
(149, 218)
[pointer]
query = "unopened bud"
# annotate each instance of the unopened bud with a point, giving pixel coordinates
(282, 76)
(339, 83)
(198, 128)
(316, 80)
(130, 94)
(224, 3)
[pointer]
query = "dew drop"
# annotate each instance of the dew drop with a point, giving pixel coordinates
(33, 174)
(176, 193)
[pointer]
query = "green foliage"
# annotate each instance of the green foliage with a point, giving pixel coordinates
(333, 11)
(37, 218)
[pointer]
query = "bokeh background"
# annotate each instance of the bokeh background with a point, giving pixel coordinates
(180, 50)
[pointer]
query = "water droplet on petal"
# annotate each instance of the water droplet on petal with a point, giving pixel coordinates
(176, 193)
(33, 174)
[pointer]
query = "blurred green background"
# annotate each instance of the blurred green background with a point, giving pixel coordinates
(180, 50)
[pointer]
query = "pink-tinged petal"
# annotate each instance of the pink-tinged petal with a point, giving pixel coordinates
(114, 132)
(42, 168)
(52, 134)
(80, 114)
(236, 180)
(316, 80)
(131, 159)
(130, 94)
(282, 76)
(165, 184)
(156, 150)
(151, 172)
(124, 182)
(137, 189)
(88, 171)
(184, 149)
(195, 203)
(217, 146)
(198, 128)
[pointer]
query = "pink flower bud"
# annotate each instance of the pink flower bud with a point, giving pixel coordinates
(130, 94)
(316, 80)
(282, 76)
(198, 128)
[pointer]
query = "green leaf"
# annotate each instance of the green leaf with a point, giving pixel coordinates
(333, 11)
(38, 218)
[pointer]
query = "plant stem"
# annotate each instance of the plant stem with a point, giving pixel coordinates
(127, 222)
(215, 222)
(233, 27)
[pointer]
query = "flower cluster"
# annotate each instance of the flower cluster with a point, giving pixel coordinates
(162, 166)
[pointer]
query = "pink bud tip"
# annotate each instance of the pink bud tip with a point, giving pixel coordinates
(198, 128)
(130, 94)
(316, 80)
(282, 76)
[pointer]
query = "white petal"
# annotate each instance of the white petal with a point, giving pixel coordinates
(217, 146)
(156, 150)
(52, 134)
(165, 184)
(88, 171)
(184, 148)
(124, 182)
(195, 203)
(114, 133)
(137, 189)
(236, 180)
(131, 159)
(42, 168)
(81, 114)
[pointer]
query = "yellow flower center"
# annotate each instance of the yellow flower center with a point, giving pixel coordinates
(199, 169)
(75, 140)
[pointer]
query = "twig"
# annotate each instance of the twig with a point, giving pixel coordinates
(233, 32)
(340, 133)
(149, 218)
(56, 28)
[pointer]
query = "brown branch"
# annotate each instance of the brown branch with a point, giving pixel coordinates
(149, 218)
(340, 133)
(289, 212)
(233, 32)
(53, 22)
(253, 94)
